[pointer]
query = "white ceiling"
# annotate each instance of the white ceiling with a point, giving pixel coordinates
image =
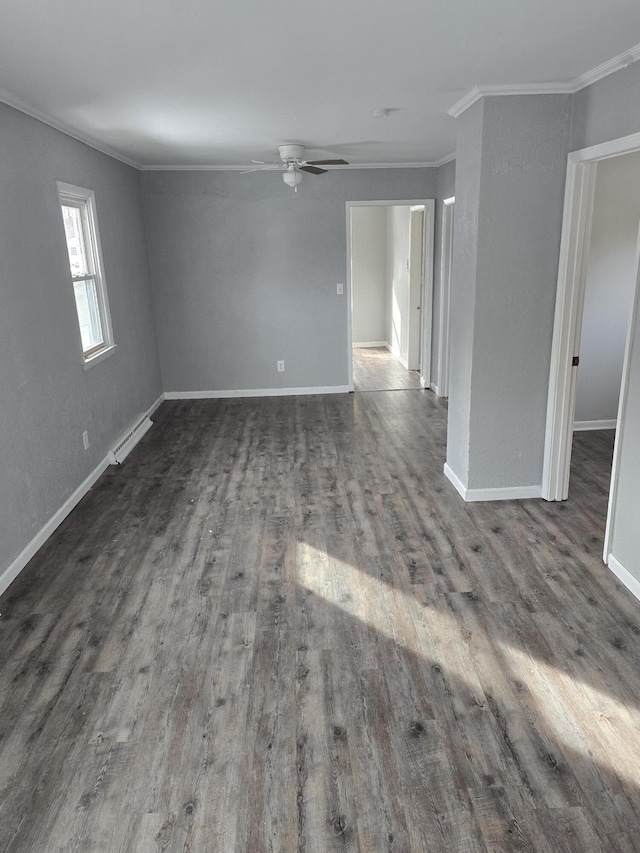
(189, 82)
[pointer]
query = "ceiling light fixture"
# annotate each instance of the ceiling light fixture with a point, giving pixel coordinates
(292, 177)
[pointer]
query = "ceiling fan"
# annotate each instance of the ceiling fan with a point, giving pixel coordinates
(293, 164)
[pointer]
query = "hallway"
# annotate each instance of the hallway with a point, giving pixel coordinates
(375, 369)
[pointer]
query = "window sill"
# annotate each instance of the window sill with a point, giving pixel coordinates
(99, 356)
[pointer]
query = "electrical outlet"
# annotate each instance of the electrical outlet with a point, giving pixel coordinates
(281, 367)
(340, 288)
(85, 440)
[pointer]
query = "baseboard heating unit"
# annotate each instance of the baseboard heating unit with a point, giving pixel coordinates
(132, 436)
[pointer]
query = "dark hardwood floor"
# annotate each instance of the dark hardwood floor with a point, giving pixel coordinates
(277, 627)
(375, 369)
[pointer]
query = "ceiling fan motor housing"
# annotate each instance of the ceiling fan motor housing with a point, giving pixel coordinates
(291, 152)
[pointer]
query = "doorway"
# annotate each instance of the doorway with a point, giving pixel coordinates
(441, 384)
(596, 301)
(389, 290)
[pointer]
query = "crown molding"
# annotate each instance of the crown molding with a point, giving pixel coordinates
(622, 60)
(478, 92)
(444, 160)
(617, 63)
(20, 105)
(269, 167)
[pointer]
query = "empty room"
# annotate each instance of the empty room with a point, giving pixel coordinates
(320, 433)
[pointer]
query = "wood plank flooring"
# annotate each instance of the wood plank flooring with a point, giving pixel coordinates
(277, 627)
(375, 369)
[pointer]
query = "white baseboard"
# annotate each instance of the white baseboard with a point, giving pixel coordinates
(17, 565)
(433, 387)
(581, 426)
(396, 354)
(13, 569)
(506, 493)
(133, 435)
(372, 344)
(457, 482)
(155, 406)
(257, 392)
(624, 576)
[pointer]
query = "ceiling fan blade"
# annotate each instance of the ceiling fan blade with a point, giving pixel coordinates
(313, 170)
(327, 163)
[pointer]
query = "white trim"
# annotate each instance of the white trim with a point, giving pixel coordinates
(121, 449)
(257, 392)
(616, 63)
(583, 426)
(451, 475)
(506, 493)
(396, 354)
(365, 344)
(433, 387)
(428, 254)
(446, 267)
(444, 160)
(85, 200)
(624, 576)
(622, 410)
(429, 205)
(474, 94)
(605, 150)
(574, 246)
(622, 60)
(155, 406)
(14, 568)
(253, 167)
(99, 356)
(576, 228)
(20, 105)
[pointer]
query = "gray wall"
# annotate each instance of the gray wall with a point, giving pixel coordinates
(445, 188)
(610, 285)
(47, 397)
(398, 246)
(609, 110)
(463, 290)
(245, 273)
(509, 197)
(626, 530)
(370, 303)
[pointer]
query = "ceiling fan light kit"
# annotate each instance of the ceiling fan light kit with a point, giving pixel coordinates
(292, 178)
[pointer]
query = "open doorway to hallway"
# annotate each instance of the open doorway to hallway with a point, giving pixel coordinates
(593, 331)
(390, 265)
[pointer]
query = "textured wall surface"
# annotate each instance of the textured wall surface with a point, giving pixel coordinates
(626, 535)
(524, 154)
(609, 109)
(610, 285)
(369, 284)
(445, 188)
(463, 289)
(48, 400)
(245, 273)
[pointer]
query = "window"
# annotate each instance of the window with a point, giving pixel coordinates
(85, 262)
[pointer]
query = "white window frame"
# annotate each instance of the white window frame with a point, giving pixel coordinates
(84, 199)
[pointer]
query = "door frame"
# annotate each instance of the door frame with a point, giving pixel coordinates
(574, 250)
(446, 266)
(427, 279)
